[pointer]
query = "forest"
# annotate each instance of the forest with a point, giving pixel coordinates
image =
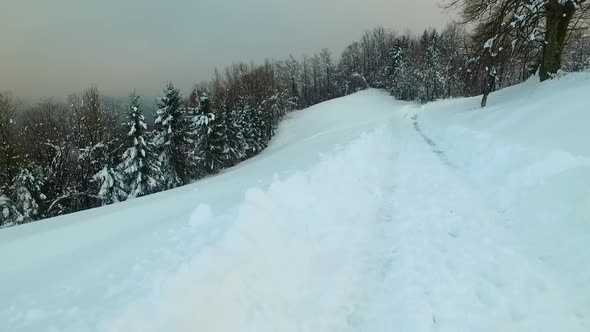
(60, 157)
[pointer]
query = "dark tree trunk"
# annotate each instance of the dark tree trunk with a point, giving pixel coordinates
(558, 19)
(489, 85)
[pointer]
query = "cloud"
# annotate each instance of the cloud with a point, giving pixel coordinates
(52, 48)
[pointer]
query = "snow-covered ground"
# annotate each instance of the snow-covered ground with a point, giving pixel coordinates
(364, 214)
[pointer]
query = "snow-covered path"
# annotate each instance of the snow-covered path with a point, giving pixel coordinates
(352, 220)
(453, 264)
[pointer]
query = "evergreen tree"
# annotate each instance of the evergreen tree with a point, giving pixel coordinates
(140, 165)
(431, 86)
(212, 137)
(84, 189)
(9, 215)
(174, 139)
(403, 80)
(111, 185)
(26, 191)
(273, 110)
(252, 123)
(235, 143)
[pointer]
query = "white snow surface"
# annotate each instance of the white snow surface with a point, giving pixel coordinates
(364, 214)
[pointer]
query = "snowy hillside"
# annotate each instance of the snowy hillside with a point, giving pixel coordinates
(528, 152)
(364, 214)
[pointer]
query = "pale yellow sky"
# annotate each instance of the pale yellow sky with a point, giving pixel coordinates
(50, 48)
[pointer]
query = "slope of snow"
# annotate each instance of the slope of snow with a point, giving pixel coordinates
(453, 262)
(364, 214)
(529, 152)
(69, 272)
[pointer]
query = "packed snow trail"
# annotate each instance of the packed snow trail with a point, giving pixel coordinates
(528, 154)
(454, 265)
(352, 220)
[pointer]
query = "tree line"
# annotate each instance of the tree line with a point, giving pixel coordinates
(58, 158)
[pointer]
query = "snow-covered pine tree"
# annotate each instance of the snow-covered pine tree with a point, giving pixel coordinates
(235, 143)
(9, 215)
(212, 137)
(111, 185)
(403, 80)
(91, 161)
(173, 139)
(140, 166)
(273, 110)
(430, 73)
(26, 193)
(251, 121)
(106, 186)
(397, 61)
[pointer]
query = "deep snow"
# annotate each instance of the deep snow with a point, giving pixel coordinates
(364, 214)
(529, 154)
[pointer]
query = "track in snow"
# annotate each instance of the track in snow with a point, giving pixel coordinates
(366, 230)
(454, 264)
(401, 243)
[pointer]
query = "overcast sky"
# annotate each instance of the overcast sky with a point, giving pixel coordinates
(50, 48)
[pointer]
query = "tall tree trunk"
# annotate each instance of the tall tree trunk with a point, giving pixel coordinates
(558, 19)
(489, 85)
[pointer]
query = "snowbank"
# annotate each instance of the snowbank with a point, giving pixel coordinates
(294, 258)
